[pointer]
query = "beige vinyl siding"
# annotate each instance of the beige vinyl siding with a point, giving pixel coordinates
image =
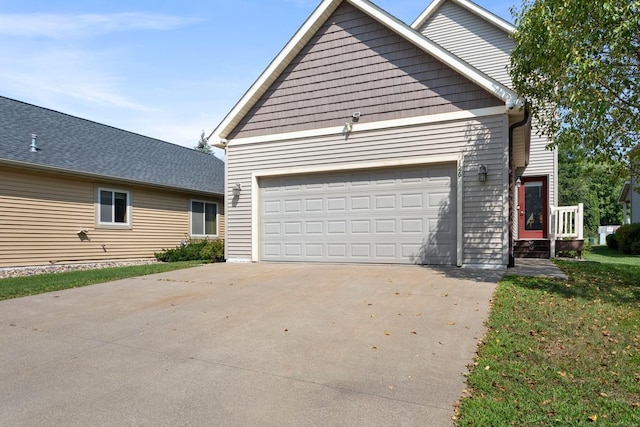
(354, 63)
(472, 39)
(41, 214)
(479, 141)
(519, 150)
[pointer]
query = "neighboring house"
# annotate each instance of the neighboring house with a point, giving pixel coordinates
(91, 192)
(367, 140)
(630, 200)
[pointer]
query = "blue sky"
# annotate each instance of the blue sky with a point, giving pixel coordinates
(163, 68)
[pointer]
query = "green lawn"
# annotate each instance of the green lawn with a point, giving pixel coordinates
(605, 255)
(23, 286)
(563, 353)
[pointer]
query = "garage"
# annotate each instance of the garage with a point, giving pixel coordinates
(392, 215)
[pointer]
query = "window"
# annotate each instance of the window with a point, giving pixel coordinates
(114, 207)
(204, 218)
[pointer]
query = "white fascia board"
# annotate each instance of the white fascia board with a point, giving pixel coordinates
(470, 6)
(364, 127)
(426, 14)
(275, 68)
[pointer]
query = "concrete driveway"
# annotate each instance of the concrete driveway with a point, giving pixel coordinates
(245, 345)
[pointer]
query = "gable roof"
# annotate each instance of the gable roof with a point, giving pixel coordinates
(311, 26)
(73, 145)
(483, 13)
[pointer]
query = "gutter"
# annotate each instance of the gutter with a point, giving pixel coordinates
(523, 122)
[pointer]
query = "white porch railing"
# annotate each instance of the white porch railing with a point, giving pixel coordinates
(569, 221)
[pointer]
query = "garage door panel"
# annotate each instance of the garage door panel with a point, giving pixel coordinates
(385, 216)
(361, 251)
(314, 227)
(359, 203)
(337, 227)
(272, 228)
(383, 226)
(337, 204)
(411, 200)
(293, 250)
(314, 250)
(313, 205)
(272, 250)
(337, 250)
(272, 207)
(412, 225)
(362, 226)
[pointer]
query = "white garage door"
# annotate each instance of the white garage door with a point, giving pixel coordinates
(401, 216)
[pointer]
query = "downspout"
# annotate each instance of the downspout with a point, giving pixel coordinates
(512, 260)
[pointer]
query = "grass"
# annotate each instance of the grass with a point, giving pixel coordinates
(16, 287)
(563, 353)
(605, 255)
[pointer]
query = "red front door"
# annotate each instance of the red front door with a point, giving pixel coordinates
(533, 208)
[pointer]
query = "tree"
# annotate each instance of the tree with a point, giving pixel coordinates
(203, 145)
(582, 180)
(576, 62)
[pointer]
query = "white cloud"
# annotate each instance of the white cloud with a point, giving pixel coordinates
(65, 26)
(57, 72)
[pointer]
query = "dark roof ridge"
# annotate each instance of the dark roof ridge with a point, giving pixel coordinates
(93, 122)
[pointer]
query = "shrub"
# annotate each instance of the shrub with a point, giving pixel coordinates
(612, 241)
(194, 250)
(628, 237)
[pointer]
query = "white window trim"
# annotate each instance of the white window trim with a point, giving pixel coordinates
(191, 218)
(101, 224)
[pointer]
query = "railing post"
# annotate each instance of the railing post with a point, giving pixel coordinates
(553, 216)
(580, 221)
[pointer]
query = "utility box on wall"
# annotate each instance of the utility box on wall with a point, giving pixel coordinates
(604, 231)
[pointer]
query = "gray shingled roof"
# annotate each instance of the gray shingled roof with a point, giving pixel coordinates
(82, 146)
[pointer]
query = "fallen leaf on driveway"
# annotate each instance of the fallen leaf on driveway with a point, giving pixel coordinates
(387, 333)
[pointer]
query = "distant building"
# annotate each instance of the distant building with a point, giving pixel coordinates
(72, 190)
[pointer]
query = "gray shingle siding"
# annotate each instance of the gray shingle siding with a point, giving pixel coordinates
(85, 147)
(354, 63)
(471, 38)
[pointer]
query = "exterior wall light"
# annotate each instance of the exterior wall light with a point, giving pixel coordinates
(482, 173)
(237, 189)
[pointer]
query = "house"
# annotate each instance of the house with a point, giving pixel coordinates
(630, 201)
(370, 141)
(72, 190)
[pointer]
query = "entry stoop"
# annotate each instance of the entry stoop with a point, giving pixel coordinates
(535, 248)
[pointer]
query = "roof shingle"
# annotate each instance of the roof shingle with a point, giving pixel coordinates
(82, 146)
